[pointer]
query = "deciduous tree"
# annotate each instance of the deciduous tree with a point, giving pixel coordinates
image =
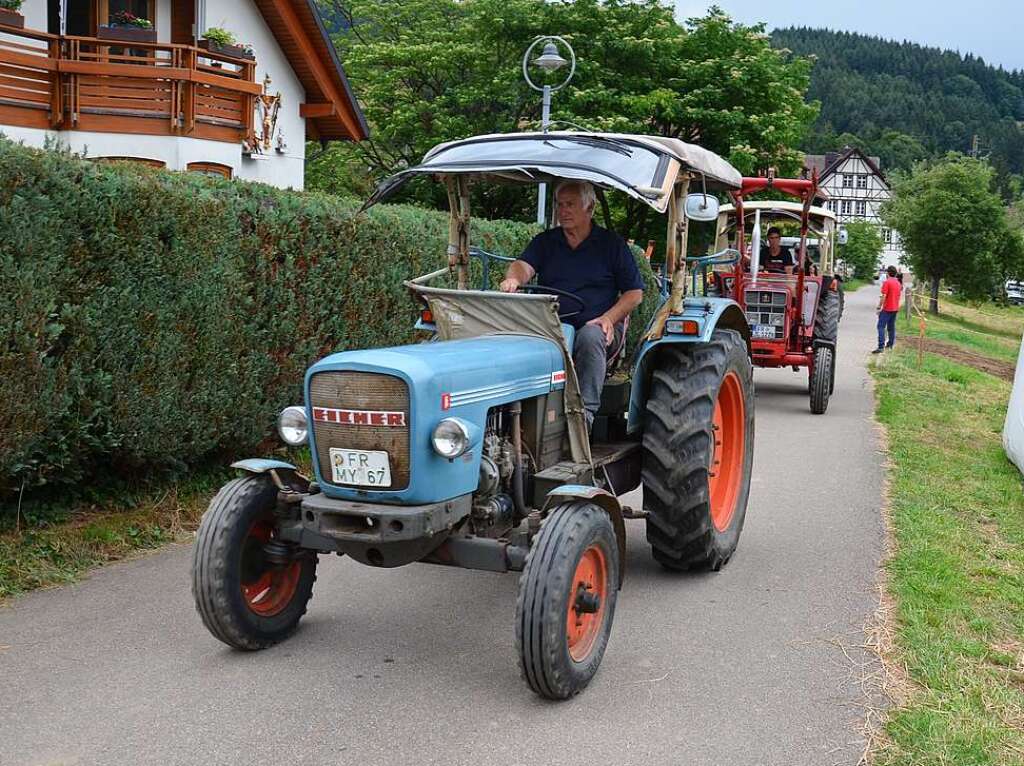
(863, 249)
(428, 71)
(950, 221)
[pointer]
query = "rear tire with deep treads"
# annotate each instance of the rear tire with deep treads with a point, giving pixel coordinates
(244, 599)
(698, 449)
(826, 320)
(559, 640)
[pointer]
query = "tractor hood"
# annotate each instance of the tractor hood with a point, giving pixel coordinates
(391, 399)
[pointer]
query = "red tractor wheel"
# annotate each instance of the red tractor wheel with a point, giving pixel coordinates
(250, 588)
(698, 449)
(566, 602)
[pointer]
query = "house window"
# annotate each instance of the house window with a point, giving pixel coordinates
(158, 164)
(887, 236)
(862, 208)
(847, 180)
(862, 182)
(846, 207)
(214, 169)
(145, 9)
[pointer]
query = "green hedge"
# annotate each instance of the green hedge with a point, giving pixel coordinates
(153, 320)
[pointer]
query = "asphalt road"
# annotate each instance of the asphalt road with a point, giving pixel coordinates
(757, 664)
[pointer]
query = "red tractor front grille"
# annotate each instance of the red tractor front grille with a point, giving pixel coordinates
(767, 309)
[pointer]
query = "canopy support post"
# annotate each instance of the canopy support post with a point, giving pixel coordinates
(458, 229)
(677, 237)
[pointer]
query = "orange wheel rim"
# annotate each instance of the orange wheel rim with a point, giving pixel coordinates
(725, 473)
(587, 597)
(266, 588)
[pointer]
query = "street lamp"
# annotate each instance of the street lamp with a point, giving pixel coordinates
(550, 60)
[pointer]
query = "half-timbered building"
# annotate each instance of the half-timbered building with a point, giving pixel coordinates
(138, 80)
(856, 189)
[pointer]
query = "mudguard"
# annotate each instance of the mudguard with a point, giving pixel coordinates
(286, 476)
(710, 314)
(599, 497)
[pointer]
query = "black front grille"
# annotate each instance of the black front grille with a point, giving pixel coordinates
(767, 308)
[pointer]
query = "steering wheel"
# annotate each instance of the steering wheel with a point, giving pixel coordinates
(541, 289)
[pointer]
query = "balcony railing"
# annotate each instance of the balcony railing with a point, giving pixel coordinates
(83, 83)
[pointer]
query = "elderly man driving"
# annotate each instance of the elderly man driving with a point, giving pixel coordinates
(592, 263)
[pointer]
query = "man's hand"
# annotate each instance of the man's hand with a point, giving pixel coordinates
(510, 285)
(606, 325)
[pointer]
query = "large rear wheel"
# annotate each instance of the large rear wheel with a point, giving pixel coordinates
(698, 449)
(250, 588)
(566, 601)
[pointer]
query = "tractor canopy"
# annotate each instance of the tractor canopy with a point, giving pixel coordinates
(821, 224)
(645, 168)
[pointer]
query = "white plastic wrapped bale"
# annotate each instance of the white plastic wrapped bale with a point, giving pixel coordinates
(1013, 430)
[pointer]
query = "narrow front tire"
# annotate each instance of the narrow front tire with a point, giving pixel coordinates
(250, 588)
(566, 600)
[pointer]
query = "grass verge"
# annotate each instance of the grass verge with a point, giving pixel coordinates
(957, 568)
(850, 285)
(56, 546)
(58, 549)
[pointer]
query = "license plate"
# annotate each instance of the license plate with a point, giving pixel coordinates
(763, 331)
(364, 468)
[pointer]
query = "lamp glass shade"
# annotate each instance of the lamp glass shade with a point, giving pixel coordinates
(550, 59)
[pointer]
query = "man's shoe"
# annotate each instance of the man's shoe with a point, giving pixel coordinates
(877, 351)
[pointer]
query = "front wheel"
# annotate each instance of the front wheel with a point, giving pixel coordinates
(698, 450)
(566, 600)
(822, 379)
(250, 588)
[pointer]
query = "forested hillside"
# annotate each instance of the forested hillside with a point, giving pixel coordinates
(903, 101)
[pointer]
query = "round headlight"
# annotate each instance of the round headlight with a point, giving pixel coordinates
(450, 438)
(293, 426)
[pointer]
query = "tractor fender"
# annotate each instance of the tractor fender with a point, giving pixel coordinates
(601, 498)
(710, 314)
(286, 477)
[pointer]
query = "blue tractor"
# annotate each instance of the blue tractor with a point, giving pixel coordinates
(472, 449)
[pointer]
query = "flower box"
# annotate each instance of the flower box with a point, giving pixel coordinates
(232, 51)
(127, 34)
(10, 18)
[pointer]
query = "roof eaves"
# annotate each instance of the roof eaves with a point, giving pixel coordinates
(315, 11)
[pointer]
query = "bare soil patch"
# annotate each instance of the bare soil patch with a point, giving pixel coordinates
(996, 367)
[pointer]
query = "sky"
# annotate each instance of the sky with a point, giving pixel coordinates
(992, 29)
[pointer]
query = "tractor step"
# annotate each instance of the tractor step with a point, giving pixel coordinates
(616, 463)
(634, 513)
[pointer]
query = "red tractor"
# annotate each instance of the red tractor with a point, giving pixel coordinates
(793, 313)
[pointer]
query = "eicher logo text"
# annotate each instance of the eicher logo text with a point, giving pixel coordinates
(358, 417)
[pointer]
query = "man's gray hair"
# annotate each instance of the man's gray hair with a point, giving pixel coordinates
(584, 188)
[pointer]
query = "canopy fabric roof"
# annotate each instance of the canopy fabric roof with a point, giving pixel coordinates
(643, 167)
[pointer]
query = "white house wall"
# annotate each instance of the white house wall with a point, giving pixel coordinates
(284, 169)
(35, 14)
(876, 192)
(244, 20)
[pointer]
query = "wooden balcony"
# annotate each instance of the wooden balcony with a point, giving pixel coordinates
(83, 83)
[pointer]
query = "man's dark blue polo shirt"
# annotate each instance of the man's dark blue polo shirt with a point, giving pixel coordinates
(598, 270)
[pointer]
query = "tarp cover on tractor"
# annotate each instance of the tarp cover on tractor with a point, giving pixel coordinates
(1013, 429)
(472, 313)
(643, 167)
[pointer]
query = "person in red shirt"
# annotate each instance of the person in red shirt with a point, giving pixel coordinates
(888, 308)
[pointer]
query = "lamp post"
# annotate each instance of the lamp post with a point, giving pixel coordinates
(549, 60)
